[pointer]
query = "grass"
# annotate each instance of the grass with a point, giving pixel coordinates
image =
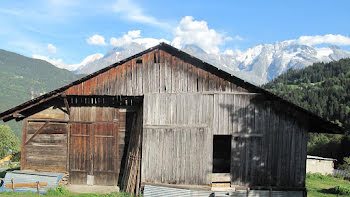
(61, 192)
(321, 186)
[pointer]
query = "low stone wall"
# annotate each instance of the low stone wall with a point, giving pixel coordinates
(319, 166)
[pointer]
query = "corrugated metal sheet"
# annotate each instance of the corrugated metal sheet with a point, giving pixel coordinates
(31, 177)
(158, 191)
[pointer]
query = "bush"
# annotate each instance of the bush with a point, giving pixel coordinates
(16, 157)
(340, 190)
(59, 191)
(346, 164)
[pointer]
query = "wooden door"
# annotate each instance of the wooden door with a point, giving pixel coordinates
(80, 156)
(105, 162)
(93, 153)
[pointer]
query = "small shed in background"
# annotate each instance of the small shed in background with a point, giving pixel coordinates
(315, 164)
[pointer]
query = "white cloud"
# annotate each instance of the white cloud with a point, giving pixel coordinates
(51, 49)
(237, 37)
(96, 40)
(134, 33)
(133, 12)
(326, 39)
(56, 62)
(190, 31)
(134, 37)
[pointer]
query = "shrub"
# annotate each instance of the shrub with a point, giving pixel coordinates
(340, 190)
(346, 164)
(59, 191)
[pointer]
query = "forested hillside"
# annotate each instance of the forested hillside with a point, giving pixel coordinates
(324, 89)
(20, 77)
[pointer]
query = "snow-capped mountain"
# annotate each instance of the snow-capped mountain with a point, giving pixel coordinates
(88, 60)
(263, 63)
(112, 56)
(257, 65)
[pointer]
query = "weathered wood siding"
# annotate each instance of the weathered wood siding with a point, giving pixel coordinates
(268, 147)
(159, 72)
(47, 151)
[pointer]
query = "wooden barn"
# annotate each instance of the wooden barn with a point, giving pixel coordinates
(165, 118)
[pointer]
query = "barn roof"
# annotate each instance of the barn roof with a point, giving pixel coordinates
(321, 125)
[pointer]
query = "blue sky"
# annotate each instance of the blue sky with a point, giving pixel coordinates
(70, 30)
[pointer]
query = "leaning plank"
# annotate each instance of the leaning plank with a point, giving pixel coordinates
(37, 132)
(17, 185)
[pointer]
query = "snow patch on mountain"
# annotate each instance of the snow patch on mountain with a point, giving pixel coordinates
(86, 61)
(258, 65)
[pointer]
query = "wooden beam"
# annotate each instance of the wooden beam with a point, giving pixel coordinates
(174, 126)
(18, 185)
(11, 115)
(64, 96)
(17, 115)
(37, 132)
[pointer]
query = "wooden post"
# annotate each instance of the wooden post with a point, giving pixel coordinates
(38, 187)
(305, 192)
(13, 185)
(66, 103)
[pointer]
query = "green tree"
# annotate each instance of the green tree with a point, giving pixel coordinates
(8, 141)
(346, 164)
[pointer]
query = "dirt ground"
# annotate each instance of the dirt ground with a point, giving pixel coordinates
(97, 189)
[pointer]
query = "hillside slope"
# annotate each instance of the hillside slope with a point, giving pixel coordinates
(21, 77)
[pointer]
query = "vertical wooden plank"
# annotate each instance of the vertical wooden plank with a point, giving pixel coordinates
(145, 76)
(303, 156)
(185, 77)
(134, 78)
(139, 79)
(195, 79)
(117, 80)
(292, 155)
(175, 72)
(129, 81)
(189, 78)
(169, 74)
(162, 73)
(24, 139)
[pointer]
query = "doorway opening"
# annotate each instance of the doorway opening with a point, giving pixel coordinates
(222, 153)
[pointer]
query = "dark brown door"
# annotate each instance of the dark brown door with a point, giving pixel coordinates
(105, 169)
(94, 153)
(80, 153)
